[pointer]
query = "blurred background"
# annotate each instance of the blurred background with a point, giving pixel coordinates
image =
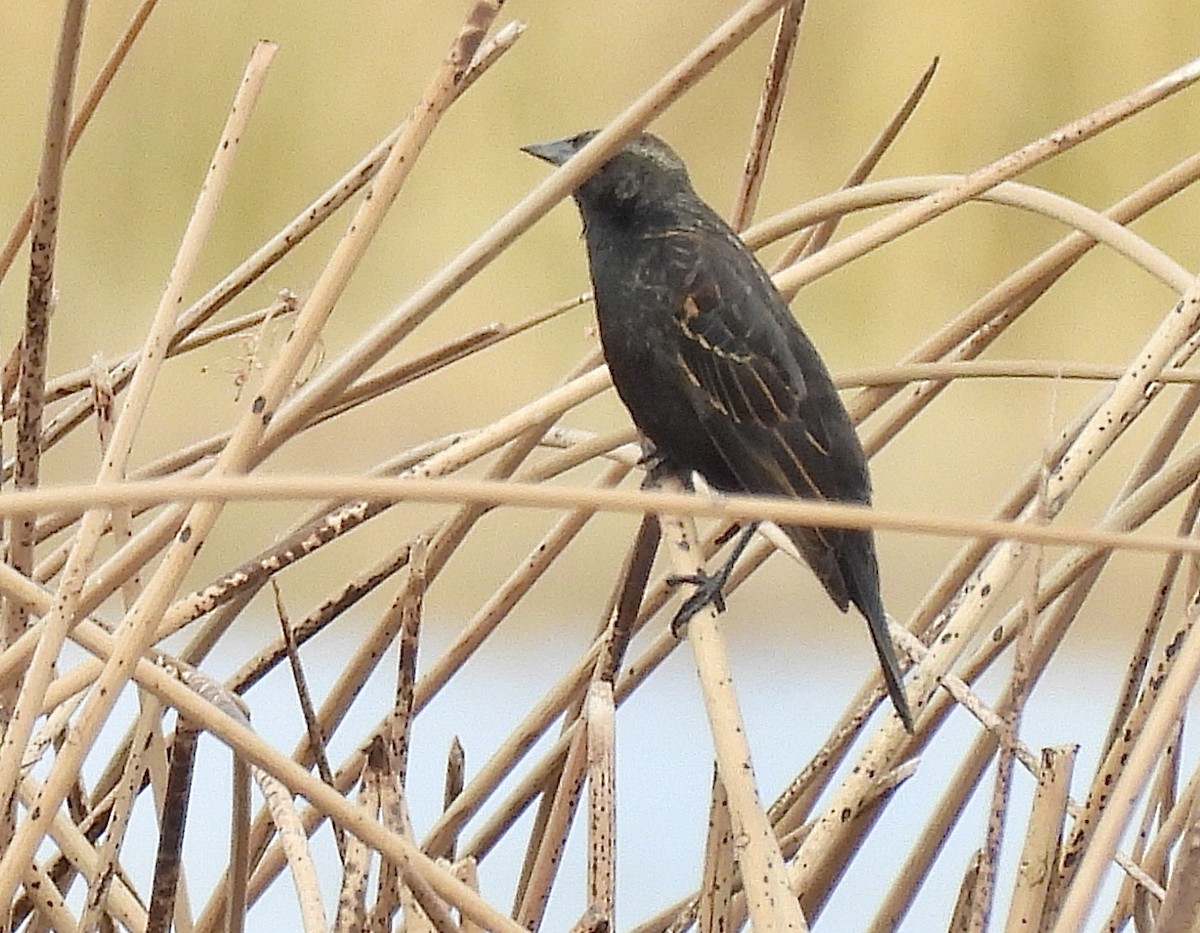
(347, 73)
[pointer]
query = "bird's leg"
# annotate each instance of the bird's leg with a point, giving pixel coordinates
(657, 466)
(709, 587)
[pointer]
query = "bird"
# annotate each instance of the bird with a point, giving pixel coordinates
(716, 373)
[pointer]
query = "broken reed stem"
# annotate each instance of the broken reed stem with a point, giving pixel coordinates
(774, 87)
(1043, 840)
(1008, 731)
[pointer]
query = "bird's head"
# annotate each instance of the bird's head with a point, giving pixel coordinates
(645, 174)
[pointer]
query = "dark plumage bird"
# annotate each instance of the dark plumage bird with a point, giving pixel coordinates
(713, 368)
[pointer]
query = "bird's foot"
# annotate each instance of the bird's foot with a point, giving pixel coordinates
(708, 592)
(710, 587)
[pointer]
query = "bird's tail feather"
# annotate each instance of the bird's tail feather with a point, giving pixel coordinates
(877, 623)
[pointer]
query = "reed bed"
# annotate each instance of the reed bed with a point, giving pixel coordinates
(105, 632)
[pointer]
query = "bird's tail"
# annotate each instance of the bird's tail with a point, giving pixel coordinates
(849, 572)
(877, 623)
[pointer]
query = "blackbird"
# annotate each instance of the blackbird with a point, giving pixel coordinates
(716, 373)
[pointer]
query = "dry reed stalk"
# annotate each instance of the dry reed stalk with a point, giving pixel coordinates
(276, 248)
(600, 716)
(964, 906)
(151, 747)
(549, 838)
(978, 327)
(165, 909)
(1062, 370)
(1021, 160)
(34, 350)
(1101, 227)
(1137, 890)
(761, 865)
(1080, 896)
(1039, 857)
(490, 493)
(356, 867)
(1008, 729)
(1181, 902)
(456, 765)
(63, 613)
(303, 694)
(719, 881)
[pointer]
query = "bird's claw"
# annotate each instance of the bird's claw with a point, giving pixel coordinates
(709, 591)
(710, 587)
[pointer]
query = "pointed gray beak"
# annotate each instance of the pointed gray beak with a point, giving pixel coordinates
(556, 152)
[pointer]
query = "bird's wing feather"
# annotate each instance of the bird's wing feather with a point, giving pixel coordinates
(731, 353)
(751, 372)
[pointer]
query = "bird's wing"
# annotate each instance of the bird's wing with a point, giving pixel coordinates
(762, 394)
(731, 348)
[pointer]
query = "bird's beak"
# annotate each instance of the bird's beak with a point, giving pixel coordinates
(556, 152)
